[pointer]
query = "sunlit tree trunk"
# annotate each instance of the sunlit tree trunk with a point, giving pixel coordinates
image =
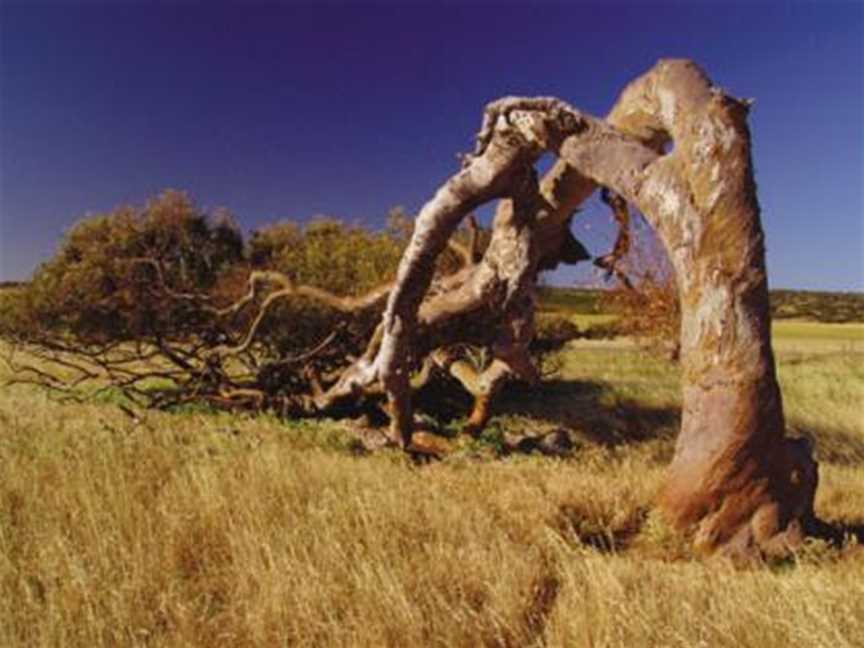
(736, 483)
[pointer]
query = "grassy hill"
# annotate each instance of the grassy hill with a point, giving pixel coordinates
(818, 306)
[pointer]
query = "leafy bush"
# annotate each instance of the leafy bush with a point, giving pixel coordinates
(150, 271)
(161, 295)
(327, 253)
(171, 305)
(114, 274)
(345, 260)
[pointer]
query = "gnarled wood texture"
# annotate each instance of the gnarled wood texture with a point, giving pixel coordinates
(736, 481)
(674, 146)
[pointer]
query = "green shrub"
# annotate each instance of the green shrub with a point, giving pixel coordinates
(153, 286)
(113, 274)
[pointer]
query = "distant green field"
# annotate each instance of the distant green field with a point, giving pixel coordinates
(817, 337)
(802, 329)
(572, 300)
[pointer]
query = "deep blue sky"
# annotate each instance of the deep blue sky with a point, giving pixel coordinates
(287, 111)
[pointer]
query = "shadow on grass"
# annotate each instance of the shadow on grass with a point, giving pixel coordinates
(837, 534)
(591, 411)
(833, 446)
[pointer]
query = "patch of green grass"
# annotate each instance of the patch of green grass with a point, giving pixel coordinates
(807, 337)
(571, 300)
(588, 321)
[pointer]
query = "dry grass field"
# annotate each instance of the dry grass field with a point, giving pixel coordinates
(203, 529)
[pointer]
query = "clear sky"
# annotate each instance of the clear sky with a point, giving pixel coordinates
(285, 110)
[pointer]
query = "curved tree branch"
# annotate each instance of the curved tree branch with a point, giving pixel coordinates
(700, 197)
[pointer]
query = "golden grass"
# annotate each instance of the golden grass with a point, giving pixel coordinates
(802, 338)
(216, 530)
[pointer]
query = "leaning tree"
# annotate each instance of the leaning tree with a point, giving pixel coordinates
(675, 147)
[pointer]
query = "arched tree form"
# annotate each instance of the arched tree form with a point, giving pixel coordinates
(736, 480)
(674, 146)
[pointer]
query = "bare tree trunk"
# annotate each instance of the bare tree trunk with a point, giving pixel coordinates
(515, 133)
(736, 481)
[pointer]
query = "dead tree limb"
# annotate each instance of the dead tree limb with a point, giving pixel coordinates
(610, 262)
(736, 481)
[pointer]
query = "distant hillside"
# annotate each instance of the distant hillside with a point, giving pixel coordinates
(817, 306)
(785, 304)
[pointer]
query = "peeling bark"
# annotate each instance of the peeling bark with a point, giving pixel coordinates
(736, 482)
